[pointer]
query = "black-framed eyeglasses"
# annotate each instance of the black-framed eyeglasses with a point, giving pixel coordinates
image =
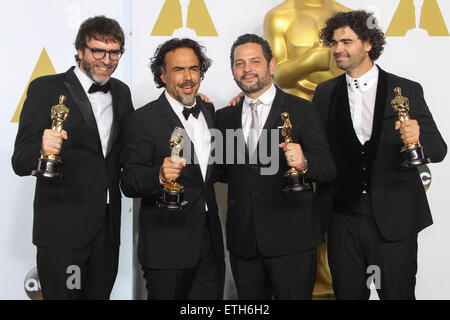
(99, 54)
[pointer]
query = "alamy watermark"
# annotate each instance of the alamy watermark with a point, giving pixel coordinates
(234, 150)
(375, 277)
(74, 280)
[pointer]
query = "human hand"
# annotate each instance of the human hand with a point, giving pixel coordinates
(204, 98)
(171, 169)
(294, 155)
(409, 131)
(233, 102)
(52, 141)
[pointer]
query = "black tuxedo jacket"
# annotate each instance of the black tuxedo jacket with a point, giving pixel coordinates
(398, 197)
(167, 240)
(69, 213)
(260, 216)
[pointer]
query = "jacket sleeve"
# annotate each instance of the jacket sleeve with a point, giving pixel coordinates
(34, 119)
(430, 138)
(220, 169)
(140, 175)
(321, 166)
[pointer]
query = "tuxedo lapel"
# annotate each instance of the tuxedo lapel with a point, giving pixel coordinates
(237, 127)
(208, 116)
(81, 100)
(237, 115)
(380, 107)
(275, 111)
(168, 113)
(210, 123)
(115, 123)
(338, 104)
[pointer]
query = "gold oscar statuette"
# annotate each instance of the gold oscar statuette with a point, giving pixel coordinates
(301, 60)
(294, 178)
(172, 197)
(50, 166)
(412, 153)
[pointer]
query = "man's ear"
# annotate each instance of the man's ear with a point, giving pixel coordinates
(163, 76)
(367, 46)
(272, 66)
(80, 54)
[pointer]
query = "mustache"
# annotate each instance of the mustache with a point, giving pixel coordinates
(187, 83)
(102, 64)
(249, 74)
(337, 55)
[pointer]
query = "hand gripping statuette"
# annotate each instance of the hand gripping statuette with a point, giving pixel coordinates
(412, 153)
(294, 178)
(50, 166)
(172, 197)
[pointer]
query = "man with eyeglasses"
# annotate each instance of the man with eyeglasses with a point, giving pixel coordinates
(77, 219)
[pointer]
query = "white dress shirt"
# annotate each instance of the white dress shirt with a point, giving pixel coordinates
(263, 110)
(198, 132)
(362, 93)
(102, 108)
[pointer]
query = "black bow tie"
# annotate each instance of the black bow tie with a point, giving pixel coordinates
(194, 110)
(97, 88)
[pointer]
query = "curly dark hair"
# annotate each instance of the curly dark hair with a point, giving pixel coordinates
(252, 38)
(99, 28)
(158, 62)
(363, 23)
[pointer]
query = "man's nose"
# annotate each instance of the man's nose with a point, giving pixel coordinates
(187, 74)
(337, 48)
(106, 59)
(247, 67)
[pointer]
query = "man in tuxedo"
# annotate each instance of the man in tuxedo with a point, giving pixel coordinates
(76, 226)
(181, 252)
(374, 209)
(271, 235)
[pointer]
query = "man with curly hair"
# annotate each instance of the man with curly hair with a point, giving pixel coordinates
(181, 252)
(374, 210)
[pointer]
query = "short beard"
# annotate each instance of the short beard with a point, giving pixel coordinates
(90, 73)
(186, 101)
(259, 85)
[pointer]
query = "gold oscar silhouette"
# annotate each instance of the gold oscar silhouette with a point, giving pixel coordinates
(302, 62)
(417, 17)
(184, 18)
